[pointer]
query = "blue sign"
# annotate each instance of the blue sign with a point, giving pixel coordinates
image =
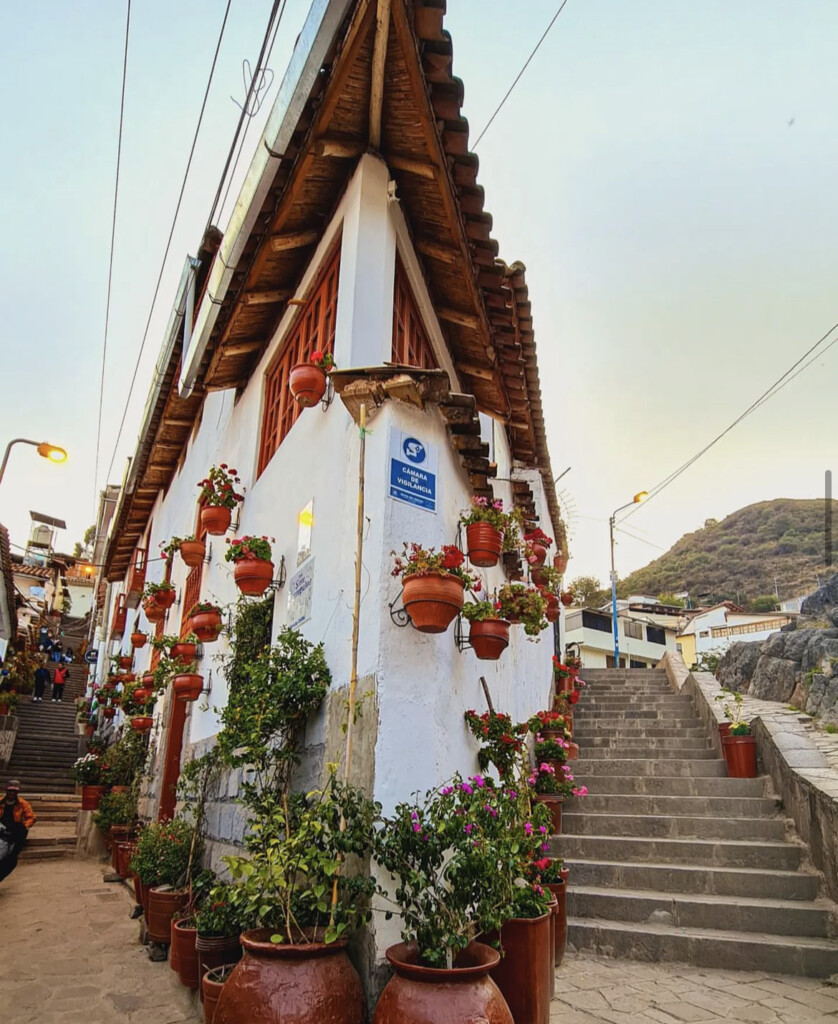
(413, 471)
(91, 656)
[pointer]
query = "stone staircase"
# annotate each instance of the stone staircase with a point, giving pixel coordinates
(670, 860)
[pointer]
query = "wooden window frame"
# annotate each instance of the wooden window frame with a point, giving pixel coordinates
(312, 330)
(411, 344)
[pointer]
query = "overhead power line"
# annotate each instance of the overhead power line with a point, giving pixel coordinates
(520, 74)
(110, 256)
(169, 240)
(776, 387)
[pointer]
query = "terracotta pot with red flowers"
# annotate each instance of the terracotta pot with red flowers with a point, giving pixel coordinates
(434, 585)
(108, 712)
(536, 543)
(522, 604)
(185, 650)
(566, 598)
(253, 569)
(138, 639)
(205, 621)
(488, 632)
(154, 612)
(219, 496)
(125, 661)
(157, 599)
(142, 723)
(487, 527)
(560, 562)
(308, 381)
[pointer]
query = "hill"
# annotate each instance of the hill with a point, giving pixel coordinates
(739, 558)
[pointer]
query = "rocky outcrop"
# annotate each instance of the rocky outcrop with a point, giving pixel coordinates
(737, 667)
(798, 667)
(823, 604)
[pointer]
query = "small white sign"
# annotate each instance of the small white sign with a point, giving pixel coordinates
(299, 595)
(413, 470)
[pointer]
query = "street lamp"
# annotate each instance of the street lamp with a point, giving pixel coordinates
(46, 451)
(640, 496)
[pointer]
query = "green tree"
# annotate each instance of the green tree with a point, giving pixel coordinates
(763, 603)
(672, 600)
(587, 592)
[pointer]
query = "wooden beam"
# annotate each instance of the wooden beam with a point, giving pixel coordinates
(475, 371)
(293, 240)
(379, 62)
(456, 316)
(342, 149)
(239, 348)
(270, 297)
(442, 253)
(419, 167)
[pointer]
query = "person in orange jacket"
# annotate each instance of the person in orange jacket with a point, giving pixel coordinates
(17, 818)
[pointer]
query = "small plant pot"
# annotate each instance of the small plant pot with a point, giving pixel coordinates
(538, 576)
(523, 974)
(484, 544)
(192, 552)
(139, 640)
(489, 638)
(165, 599)
(188, 686)
(147, 680)
(108, 712)
(253, 576)
(434, 995)
(89, 731)
(153, 611)
(215, 951)
(724, 729)
(216, 519)
(206, 626)
(183, 938)
(566, 598)
(554, 806)
(565, 684)
(142, 693)
(572, 751)
(125, 661)
(551, 940)
(125, 850)
(142, 723)
(740, 756)
(163, 904)
(559, 890)
(212, 983)
(538, 554)
(91, 797)
(560, 562)
(184, 653)
(307, 383)
(433, 601)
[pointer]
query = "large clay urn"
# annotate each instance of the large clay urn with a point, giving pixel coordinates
(484, 544)
(216, 519)
(433, 601)
(523, 974)
(289, 983)
(253, 575)
(429, 995)
(489, 638)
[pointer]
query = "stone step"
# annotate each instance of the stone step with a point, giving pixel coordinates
(692, 767)
(588, 731)
(632, 742)
(646, 750)
(731, 882)
(724, 807)
(610, 721)
(712, 948)
(679, 826)
(765, 855)
(627, 700)
(674, 786)
(630, 686)
(31, 853)
(745, 914)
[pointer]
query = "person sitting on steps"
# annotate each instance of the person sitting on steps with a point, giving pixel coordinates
(17, 818)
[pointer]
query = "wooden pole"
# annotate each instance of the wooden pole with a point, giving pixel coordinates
(485, 686)
(379, 60)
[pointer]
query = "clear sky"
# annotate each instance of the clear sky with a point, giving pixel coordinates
(665, 169)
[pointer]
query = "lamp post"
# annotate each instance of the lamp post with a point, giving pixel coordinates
(640, 496)
(46, 451)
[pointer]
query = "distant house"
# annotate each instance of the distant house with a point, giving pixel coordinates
(713, 630)
(8, 618)
(644, 637)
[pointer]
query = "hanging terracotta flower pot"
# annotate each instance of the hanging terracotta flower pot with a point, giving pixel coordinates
(91, 797)
(184, 652)
(253, 576)
(554, 806)
(147, 679)
(484, 544)
(523, 974)
(433, 601)
(567, 598)
(142, 693)
(287, 983)
(551, 612)
(165, 598)
(205, 625)
(431, 995)
(192, 552)
(163, 904)
(560, 561)
(108, 712)
(142, 723)
(188, 686)
(154, 612)
(538, 576)
(307, 383)
(138, 640)
(125, 661)
(538, 554)
(489, 638)
(216, 519)
(740, 754)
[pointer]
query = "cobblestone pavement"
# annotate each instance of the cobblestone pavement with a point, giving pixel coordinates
(70, 955)
(596, 990)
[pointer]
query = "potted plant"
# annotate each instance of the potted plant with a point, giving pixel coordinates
(165, 851)
(501, 740)
(525, 605)
(486, 524)
(434, 584)
(253, 569)
(138, 639)
(565, 675)
(211, 984)
(739, 746)
(552, 750)
(458, 857)
(552, 787)
(8, 701)
(115, 817)
(554, 875)
(192, 551)
(488, 632)
(87, 773)
(218, 498)
(307, 381)
(218, 926)
(205, 621)
(188, 685)
(536, 543)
